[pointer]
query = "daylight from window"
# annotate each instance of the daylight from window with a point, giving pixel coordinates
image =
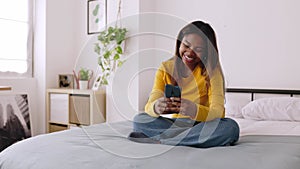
(14, 36)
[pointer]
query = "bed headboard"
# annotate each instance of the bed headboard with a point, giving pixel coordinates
(252, 92)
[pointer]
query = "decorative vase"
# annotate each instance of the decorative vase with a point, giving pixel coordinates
(83, 84)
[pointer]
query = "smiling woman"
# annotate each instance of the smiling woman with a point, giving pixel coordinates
(16, 38)
(196, 116)
(191, 50)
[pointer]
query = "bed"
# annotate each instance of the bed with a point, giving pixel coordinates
(266, 141)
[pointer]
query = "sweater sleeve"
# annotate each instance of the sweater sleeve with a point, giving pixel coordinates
(157, 91)
(215, 108)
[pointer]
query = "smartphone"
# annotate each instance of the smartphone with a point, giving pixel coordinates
(172, 91)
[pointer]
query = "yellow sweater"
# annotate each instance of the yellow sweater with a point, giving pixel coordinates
(209, 101)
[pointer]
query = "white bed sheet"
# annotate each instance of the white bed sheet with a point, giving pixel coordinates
(254, 127)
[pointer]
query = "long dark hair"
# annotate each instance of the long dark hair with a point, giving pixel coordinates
(210, 61)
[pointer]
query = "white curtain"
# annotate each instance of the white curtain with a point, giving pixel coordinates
(16, 32)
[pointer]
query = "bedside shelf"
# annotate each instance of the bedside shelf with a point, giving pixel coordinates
(67, 108)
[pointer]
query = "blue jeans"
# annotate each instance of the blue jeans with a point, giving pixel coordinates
(187, 132)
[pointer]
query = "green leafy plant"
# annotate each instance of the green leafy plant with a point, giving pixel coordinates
(109, 48)
(84, 74)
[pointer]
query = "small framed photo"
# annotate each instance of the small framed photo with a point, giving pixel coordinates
(66, 81)
(96, 16)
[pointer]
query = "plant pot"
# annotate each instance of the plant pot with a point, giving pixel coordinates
(83, 84)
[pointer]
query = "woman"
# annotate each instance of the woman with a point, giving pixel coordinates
(197, 117)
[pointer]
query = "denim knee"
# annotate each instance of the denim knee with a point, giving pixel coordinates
(233, 129)
(142, 118)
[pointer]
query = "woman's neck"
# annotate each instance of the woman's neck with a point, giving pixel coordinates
(186, 72)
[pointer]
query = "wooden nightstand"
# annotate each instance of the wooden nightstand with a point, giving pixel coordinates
(67, 108)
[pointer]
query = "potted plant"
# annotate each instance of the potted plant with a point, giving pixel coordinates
(109, 48)
(83, 78)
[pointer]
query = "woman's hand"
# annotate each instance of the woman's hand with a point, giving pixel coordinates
(175, 105)
(165, 105)
(188, 108)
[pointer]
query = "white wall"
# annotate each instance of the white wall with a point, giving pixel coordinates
(38, 116)
(62, 38)
(258, 40)
(120, 106)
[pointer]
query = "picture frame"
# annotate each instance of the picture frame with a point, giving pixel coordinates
(14, 119)
(66, 81)
(96, 16)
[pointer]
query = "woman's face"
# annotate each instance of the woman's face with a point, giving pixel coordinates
(192, 50)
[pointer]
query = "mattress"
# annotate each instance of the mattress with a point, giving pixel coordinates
(106, 146)
(269, 127)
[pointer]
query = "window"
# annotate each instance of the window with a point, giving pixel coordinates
(16, 38)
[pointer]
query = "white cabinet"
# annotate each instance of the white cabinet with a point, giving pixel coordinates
(67, 108)
(59, 108)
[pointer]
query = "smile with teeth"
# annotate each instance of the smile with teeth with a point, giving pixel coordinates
(188, 58)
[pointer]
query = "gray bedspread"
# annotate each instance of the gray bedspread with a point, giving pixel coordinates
(106, 146)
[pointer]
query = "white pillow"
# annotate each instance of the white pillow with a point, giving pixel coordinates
(234, 102)
(233, 110)
(276, 108)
